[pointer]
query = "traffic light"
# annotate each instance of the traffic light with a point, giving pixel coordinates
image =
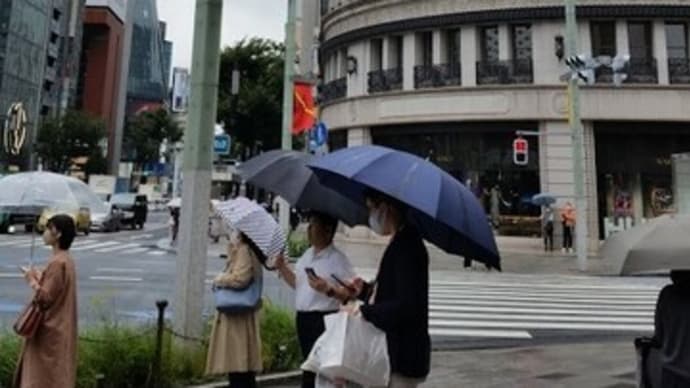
(520, 152)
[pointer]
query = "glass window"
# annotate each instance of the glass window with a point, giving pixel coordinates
(677, 40)
(489, 44)
(603, 38)
(426, 48)
(522, 41)
(376, 54)
(453, 46)
(640, 39)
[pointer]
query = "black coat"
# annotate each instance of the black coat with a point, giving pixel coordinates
(401, 303)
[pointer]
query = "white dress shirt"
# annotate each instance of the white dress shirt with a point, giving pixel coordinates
(330, 261)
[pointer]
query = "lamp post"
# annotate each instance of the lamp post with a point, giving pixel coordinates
(577, 136)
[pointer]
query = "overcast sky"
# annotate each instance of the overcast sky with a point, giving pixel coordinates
(241, 18)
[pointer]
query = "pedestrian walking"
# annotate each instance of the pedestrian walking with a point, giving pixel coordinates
(49, 357)
(174, 224)
(314, 283)
(399, 297)
(568, 219)
(671, 328)
(547, 218)
(235, 343)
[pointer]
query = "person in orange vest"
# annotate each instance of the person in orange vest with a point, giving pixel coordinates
(568, 219)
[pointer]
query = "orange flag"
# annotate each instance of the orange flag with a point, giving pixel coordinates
(303, 109)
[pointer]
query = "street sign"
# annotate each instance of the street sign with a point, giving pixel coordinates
(321, 134)
(221, 145)
(520, 152)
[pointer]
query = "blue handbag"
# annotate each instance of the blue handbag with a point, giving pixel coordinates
(233, 300)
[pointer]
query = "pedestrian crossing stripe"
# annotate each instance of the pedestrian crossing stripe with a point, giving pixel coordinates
(95, 245)
(116, 248)
(99, 246)
(515, 306)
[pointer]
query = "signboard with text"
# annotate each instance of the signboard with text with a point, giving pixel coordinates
(221, 145)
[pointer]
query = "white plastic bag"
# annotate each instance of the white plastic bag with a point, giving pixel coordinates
(351, 349)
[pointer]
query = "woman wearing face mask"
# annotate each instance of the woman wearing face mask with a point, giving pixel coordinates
(235, 343)
(398, 299)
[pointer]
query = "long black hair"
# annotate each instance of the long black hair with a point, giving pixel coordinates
(257, 252)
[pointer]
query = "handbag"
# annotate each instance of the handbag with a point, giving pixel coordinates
(29, 320)
(234, 300)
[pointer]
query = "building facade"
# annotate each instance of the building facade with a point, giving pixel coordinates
(40, 41)
(99, 80)
(146, 87)
(454, 80)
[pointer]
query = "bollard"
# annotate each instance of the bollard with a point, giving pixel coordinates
(156, 367)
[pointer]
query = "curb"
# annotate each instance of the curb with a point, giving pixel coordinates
(273, 378)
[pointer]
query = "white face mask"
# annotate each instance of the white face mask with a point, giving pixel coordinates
(377, 220)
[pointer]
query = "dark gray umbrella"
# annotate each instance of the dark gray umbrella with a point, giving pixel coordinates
(661, 244)
(286, 174)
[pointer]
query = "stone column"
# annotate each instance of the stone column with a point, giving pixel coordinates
(437, 48)
(358, 136)
(468, 55)
(660, 52)
(622, 44)
(386, 55)
(504, 44)
(357, 81)
(409, 60)
(547, 67)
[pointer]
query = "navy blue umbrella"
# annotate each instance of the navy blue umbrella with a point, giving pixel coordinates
(445, 211)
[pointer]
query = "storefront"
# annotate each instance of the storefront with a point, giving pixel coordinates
(634, 177)
(480, 156)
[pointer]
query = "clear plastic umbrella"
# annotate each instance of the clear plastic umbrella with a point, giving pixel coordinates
(31, 192)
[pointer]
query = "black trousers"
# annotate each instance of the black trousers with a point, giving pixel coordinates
(548, 236)
(567, 237)
(310, 326)
(242, 379)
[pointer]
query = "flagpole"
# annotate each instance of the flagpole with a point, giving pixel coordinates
(288, 92)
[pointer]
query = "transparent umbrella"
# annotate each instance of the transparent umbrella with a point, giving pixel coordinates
(31, 192)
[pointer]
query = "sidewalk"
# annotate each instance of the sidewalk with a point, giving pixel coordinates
(521, 255)
(518, 255)
(591, 365)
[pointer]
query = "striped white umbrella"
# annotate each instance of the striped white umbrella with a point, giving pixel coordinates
(251, 219)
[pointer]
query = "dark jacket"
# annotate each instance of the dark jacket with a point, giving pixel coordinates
(401, 303)
(672, 332)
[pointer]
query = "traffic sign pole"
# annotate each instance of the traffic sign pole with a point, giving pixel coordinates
(576, 128)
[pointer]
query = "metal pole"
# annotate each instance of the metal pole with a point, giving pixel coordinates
(576, 127)
(115, 149)
(196, 186)
(288, 92)
(156, 373)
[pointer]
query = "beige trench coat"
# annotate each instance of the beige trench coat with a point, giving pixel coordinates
(49, 359)
(235, 344)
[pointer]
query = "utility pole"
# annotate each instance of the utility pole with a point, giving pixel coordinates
(196, 186)
(576, 128)
(288, 92)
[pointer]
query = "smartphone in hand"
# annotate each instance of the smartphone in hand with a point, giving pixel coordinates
(310, 272)
(342, 283)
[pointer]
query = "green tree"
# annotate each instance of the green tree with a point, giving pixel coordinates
(146, 132)
(254, 117)
(61, 139)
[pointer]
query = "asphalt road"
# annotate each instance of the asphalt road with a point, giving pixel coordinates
(122, 275)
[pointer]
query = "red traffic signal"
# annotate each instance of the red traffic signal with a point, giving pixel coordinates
(520, 152)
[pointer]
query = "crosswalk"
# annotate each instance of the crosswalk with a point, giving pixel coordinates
(524, 307)
(80, 245)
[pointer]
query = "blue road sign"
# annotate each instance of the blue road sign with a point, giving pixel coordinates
(221, 144)
(321, 134)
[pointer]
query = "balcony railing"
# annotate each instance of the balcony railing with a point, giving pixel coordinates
(437, 75)
(679, 70)
(517, 71)
(639, 71)
(385, 80)
(333, 90)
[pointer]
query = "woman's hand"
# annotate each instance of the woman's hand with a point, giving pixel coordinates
(280, 262)
(32, 276)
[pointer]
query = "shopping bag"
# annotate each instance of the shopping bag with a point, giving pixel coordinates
(352, 349)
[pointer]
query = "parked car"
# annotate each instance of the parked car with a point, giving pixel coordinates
(81, 217)
(134, 208)
(107, 219)
(10, 218)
